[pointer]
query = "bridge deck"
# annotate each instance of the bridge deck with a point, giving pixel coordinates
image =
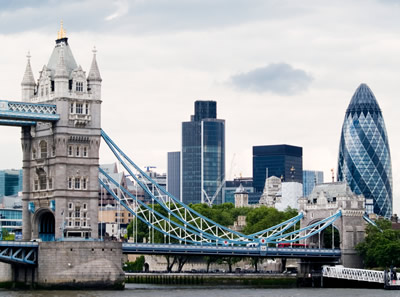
(206, 250)
(19, 252)
(23, 113)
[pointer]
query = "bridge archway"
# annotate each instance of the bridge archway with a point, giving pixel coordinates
(324, 239)
(44, 225)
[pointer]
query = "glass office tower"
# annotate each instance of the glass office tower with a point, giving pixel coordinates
(10, 182)
(203, 155)
(283, 161)
(174, 174)
(364, 156)
(310, 179)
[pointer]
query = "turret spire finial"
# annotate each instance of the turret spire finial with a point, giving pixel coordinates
(28, 55)
(61, 34)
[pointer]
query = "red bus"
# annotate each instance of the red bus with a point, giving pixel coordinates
(292, 245)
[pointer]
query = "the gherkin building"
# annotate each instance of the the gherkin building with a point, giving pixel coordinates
(364, 155)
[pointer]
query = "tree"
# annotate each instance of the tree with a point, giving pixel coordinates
(381, 247)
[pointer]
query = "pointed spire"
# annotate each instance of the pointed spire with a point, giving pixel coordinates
(61, 69)
(28, 79)
(94, 73)
(61, 34)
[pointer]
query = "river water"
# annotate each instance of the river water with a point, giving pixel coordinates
(140, 290)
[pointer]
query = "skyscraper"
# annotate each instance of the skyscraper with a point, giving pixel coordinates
(203, 155)
(283, 161)
(174, 173)
(10, 182)
(364, 156)
(310, 179)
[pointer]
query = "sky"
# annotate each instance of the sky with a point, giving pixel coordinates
(281, 71)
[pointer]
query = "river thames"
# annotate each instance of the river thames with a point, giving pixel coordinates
(137, 290)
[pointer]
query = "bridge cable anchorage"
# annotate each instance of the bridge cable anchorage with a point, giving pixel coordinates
(194, 222)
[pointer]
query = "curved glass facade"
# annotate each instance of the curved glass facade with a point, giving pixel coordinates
(364, 156)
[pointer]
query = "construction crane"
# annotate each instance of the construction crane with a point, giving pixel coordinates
(149, 167)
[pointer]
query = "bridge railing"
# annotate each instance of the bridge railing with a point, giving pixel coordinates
(353, 274)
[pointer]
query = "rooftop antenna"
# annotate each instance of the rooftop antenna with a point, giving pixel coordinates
(333, 175)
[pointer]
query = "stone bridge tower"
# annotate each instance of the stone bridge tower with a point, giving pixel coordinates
(60, 160)
(326, 200)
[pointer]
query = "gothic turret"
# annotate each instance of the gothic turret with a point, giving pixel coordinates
(61, 77)
(28, 82)
(94, 78)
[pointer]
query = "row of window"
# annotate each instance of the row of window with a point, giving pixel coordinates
(45, 89)
(75, 223)
(78, 183)
(73, 151)
(122, 214)
(79, 108)
(77, 151)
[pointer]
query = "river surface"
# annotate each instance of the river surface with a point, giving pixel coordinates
(141, 290)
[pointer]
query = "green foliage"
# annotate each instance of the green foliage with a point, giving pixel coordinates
(136, 266)
(264, 217)
(381, 247)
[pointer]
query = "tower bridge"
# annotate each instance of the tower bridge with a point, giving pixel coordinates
(60, 120)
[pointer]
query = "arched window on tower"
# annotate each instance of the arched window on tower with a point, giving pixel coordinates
(43, 149)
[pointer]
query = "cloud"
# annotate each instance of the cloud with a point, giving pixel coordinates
(279, 78)
(122, 9)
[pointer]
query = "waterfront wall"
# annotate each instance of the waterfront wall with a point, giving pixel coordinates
(80, 264)
(5, 272)
(225, 279)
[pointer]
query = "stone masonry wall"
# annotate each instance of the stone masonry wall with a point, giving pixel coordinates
(80, 264)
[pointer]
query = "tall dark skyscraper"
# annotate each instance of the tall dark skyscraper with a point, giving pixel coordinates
(174, 174)
(203, 155)
(283, 161)
(364, 156)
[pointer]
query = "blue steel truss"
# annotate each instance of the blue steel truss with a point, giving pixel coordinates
(15, 252)
(26, 114)
(192, 227)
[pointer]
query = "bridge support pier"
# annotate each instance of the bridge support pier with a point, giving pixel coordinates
(80, 264)
(70, 265)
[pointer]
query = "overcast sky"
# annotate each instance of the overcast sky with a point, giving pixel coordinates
(282, 72)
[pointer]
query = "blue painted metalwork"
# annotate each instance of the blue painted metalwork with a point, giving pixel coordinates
(225, 233)
(19, 252)
(244, 251)
(15, 123)
(53, 205)
(280, 228)
(14, 113)
(369, 221)
(309, 230)
(151, 211)
(31, 207)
